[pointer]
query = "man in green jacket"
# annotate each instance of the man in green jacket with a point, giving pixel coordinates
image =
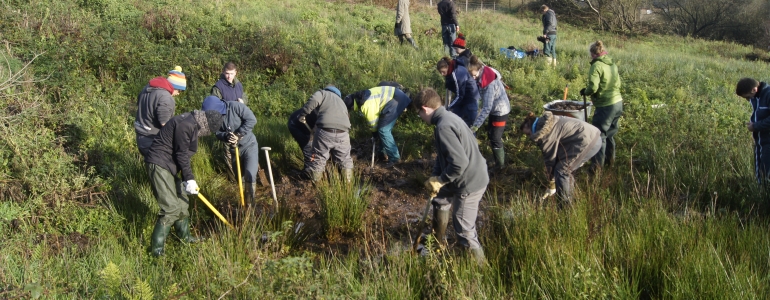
(604, 89)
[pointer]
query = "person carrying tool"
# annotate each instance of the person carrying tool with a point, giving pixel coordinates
(459, 176)
(170, 154)
(495, 104)
(236, 128)
(549, 34)
(155, 106)
(449, 26)
(604, 89)
(229, 88)
(758, 95)
(381, 106)
(463, 54)
(403, 28)
(457, 80)
(566, 143)
(331, 131)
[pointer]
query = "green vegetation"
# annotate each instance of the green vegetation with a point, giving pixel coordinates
(342, 204)
(678, 217)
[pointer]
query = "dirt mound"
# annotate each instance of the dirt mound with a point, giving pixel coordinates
(566, 106)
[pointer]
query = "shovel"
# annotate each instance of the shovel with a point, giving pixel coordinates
(422, 225)
(214, 210)
(240, 177)
(585, 109)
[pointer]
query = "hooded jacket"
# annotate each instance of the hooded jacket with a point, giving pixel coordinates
(175, 145)
(760, 116)
(459, 163)
(372, 103)
(603, 82)
(155, 106)
(228, 91)
(562, 139)
(330, 109)
(403, 22)
(238, 119)
(494, 99)
(549, 22)
(460, 82)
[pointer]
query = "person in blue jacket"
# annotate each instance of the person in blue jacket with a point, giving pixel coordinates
(460, 82)
(758, 94)
(238, 121)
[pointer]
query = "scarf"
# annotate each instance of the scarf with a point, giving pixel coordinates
(594, 56)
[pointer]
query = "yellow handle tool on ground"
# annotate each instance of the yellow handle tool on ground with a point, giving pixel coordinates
(216, 212)
(240, 177)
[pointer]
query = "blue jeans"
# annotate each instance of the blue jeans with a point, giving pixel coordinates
(389, 116)
(549, 49)
(448, 35)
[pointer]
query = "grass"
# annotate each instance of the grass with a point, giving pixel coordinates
(678, 217)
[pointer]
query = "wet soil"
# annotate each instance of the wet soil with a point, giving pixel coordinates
(566, 106)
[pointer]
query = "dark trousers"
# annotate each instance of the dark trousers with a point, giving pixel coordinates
(304, 139)
(448, 36)
(249, 157)
(606, 119)
(467, 113)
(564, 169)
(495, 129)
(168, 191)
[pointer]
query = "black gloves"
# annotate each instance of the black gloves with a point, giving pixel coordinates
(376, 135)
(583, 92)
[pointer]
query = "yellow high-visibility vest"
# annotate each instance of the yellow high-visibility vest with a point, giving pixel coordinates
(379, 96)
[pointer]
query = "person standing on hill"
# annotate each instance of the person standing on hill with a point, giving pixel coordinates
(459, 178)
(758, 95)
(449, 26)
(463, 54)
(604, 89)
(566, 143)
(171, 153)
(495, 104)
(549, 33)
(457, 80)
(404, 23)
(155, 106)
(236, 131)
(229, 88)
(381, 106)
(331, 131)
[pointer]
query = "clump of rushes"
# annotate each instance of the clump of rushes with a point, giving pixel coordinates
(343, 204)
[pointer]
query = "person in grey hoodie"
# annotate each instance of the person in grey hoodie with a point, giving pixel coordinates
(495, 104)
(155, 106)
(549, 33)
(459, 178)
(566, 143)
(331, 131)
(236, 130)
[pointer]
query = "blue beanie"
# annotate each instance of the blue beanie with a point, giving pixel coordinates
(214, 103)
(333, 89)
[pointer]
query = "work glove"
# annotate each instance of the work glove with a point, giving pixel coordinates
(474, 129)
(302, 120)
(434, 184)
(550, 191)
(583, 92)
(232, 139)
(191, 187)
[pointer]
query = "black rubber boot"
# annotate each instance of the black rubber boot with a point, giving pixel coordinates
(182, 227)
(499, 154)
(411, 41)
(440, 222)
(159, 235)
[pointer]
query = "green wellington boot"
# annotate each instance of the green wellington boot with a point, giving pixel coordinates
(440, 222)
(478, 255)
(159, 235)
(499, 154)
(317, 176)
(182, 227)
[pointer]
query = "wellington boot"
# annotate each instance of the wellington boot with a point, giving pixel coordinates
(317, 176)
(159, 235)
(414, 44)
(347, 174)
(478, 255)
(249, 193)
(440, 222)
(499, 154)
(182, 227)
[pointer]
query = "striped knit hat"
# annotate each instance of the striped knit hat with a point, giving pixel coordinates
(177, 78)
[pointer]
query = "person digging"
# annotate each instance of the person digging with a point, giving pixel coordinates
(381, 106)
(459, 178)
(169, 155)
(236, 132)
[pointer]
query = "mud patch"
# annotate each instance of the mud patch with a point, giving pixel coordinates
(78, 242)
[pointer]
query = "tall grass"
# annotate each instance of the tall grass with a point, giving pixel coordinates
(343, 204)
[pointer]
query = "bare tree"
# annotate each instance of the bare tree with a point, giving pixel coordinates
(702, 18)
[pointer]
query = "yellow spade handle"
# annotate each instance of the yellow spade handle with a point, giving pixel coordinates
(240, 178)
(216, 212)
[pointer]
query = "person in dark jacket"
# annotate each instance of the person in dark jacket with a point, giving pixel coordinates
(155, 106)
(463, 54)
(457, 79)
(758, 95)
(303, 135)
(228, 87)
(459, 178)
(449, 25)
(331, 134)
(236, 130)
(549, 34)
(381, 106)
(566, 143)
(170, 154)
(495, 105)
(604, 89)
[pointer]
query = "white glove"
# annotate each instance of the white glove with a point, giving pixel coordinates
(191, 187)
(550, 191)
